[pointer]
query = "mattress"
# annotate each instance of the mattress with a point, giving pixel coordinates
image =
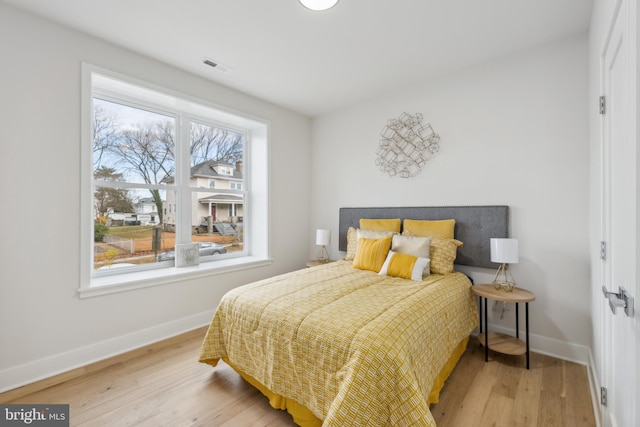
(353, 347)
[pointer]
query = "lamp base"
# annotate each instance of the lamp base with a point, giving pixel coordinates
(503, 279)
(323, 255)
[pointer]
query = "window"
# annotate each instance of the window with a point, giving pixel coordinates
(167, 170)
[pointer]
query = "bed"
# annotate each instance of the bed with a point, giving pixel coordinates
(344, 345)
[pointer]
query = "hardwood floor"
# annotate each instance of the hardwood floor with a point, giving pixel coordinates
(502, 392)
(164, 385)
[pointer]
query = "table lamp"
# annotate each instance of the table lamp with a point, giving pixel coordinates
(323, 239)
(505, 252)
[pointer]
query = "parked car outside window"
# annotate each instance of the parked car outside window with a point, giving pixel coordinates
(205, 249)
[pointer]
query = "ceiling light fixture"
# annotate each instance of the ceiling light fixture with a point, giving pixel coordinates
(318, 4)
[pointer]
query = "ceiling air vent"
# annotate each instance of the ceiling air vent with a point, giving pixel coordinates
(218, 66)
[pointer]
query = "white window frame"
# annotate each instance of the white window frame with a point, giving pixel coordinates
(256, 188)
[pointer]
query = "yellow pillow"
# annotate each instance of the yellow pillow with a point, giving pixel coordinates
(380, 224)
(443, 254)
(405, 266)
(441, 229)
(354, 234)
(371, 253)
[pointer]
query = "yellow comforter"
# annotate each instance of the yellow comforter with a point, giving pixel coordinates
(354, 347)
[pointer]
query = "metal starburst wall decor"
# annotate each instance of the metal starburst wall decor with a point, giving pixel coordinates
(406, 145)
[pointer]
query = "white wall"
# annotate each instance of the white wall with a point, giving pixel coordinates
(513, 131)
(44, 326)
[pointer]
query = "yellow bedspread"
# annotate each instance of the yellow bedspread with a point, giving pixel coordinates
(354, 347)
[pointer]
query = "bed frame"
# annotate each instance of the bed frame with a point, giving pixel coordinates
(475, 225)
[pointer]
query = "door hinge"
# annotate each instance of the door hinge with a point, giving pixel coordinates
(603, 250)
(603, 105)
(603, 396)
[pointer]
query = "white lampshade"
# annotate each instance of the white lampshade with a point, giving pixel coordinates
(323, 237)
(504, 251)
(318, 4)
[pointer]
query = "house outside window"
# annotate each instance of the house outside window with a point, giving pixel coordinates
(208, 214)
(163, 176)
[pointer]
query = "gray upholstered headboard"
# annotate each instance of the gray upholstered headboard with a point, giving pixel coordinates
(475, 225)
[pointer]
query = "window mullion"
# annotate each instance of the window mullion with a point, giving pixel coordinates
(183, 178)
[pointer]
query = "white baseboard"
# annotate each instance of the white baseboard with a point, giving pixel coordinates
(37, 370)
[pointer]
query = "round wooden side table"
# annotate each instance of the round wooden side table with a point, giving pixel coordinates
(503, 343)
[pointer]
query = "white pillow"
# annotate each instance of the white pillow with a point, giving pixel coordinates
(412, 245)
(419, 267)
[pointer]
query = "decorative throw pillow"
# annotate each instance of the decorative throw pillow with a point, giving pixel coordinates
(412, 245)
(352, 243)
(443, 254)
(371, 253)
(440, 229)
(417, 246)
(405, 266)
(392, 225)
(354, 234)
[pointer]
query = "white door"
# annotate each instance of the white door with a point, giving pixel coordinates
(620, 218)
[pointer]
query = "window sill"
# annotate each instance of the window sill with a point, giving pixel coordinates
(162, 276)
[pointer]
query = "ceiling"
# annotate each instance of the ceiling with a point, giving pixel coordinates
(315, 62)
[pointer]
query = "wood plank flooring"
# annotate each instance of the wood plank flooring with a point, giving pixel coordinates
(502, 392)
(164, 385)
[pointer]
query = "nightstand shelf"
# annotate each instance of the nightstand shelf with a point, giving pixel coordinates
(317, 262)
(503, 343)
